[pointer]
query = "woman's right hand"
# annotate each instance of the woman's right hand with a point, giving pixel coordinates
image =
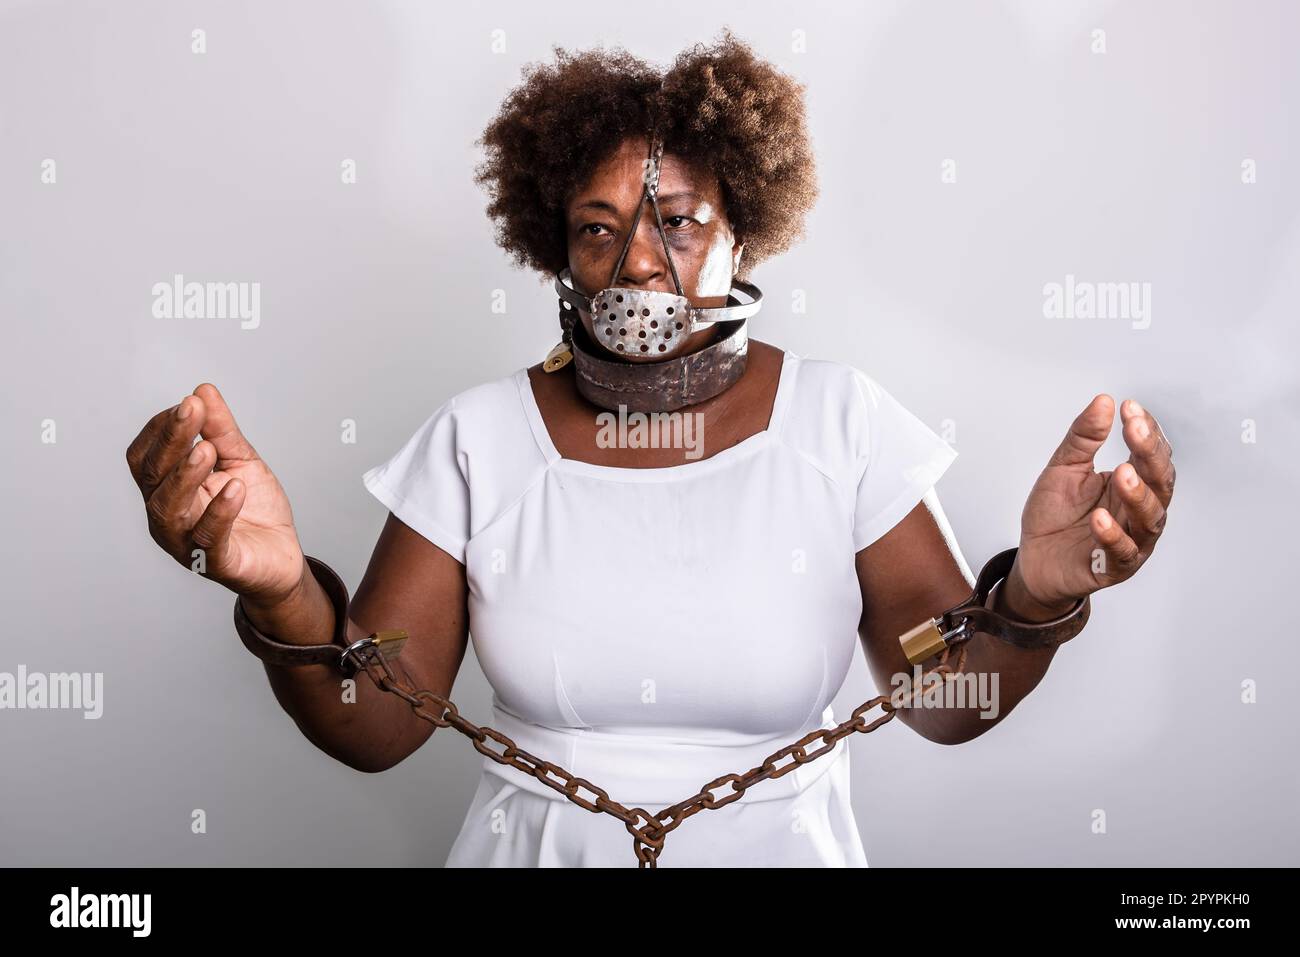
(218, 497)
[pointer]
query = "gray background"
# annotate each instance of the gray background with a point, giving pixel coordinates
(1123, 166)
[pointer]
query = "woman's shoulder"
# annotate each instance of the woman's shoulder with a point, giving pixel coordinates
(840, 415)
(826, 413)
(482, 430)
(828, 380)
(485, 402)
(470, 458)
(490, 421)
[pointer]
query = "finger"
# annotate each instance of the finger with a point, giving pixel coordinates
(171, 443)
(212, 531)
(1121, 553)
(171, 507)
(1087, 433)
(220, 427)
(1144, 509)
(144, 439)
(1152, 454)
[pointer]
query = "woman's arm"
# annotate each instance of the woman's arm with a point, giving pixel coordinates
(411, 584)
(217, 508)
(1080, 531)
(916, 571)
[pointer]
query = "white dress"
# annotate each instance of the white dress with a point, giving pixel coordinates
(653, 629)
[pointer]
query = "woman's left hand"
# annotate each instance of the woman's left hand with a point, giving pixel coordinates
(1083, 530)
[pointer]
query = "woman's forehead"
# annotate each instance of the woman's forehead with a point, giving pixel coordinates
(617, 178)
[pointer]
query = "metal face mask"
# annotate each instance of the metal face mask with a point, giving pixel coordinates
(644, 323)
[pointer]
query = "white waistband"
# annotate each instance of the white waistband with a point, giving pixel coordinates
(659, 770)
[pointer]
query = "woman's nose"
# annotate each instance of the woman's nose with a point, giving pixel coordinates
(645, 263)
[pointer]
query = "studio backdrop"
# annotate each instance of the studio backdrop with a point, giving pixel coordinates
(978, 164)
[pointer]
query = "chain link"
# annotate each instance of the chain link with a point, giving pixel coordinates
(648, 837)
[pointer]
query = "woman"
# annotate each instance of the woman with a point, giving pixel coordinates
(651, 617)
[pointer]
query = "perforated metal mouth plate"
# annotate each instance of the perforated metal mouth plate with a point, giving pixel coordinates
(641, 321)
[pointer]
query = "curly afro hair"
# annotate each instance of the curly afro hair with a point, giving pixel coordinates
(718, 106)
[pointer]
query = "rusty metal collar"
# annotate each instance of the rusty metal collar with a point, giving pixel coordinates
(660, 386)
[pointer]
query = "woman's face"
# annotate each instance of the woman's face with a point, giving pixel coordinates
(599, 215)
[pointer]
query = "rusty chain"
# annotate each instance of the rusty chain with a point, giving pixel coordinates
(648, 838)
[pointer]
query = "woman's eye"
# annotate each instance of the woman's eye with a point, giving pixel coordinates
(684, 221)
(592, 229)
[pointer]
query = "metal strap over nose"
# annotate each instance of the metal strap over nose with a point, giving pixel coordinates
(649, 190)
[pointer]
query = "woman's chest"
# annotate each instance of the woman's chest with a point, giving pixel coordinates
(729, 600)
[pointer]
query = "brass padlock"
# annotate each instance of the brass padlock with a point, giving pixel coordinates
(926, 639)
(557, 358)
(923, 641)
(390, 641)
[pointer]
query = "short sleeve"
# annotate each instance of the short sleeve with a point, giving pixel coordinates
(901, 459)
(424, 484)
